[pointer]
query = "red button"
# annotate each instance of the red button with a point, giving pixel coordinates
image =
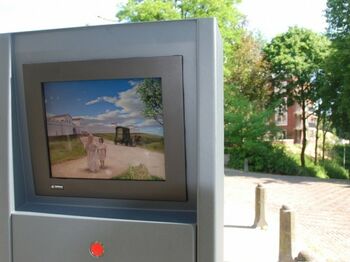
(97, 249)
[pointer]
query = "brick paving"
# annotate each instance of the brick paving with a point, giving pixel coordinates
(322, 217)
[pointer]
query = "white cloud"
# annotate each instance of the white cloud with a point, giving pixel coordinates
(133, 83)
(128, 104)
(128, 113)
(108, 99)
(130, 101)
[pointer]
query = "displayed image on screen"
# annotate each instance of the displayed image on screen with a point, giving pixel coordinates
(105, 129)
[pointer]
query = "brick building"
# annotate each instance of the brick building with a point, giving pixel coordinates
(291, 124)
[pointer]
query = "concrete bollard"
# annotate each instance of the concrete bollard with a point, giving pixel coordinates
(246, 165)
(260, 220)
(286, 244)
(226, 159)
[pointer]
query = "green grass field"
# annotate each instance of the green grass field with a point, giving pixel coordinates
(64, 148)
(139, 172)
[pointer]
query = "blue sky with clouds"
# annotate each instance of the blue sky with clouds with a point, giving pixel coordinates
(101, 104)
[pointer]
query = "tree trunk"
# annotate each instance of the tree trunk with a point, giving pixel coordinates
(324, 144)
(316, 138)
(324, 136)
(302, 155)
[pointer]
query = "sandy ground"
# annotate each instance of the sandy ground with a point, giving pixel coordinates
(118, 160)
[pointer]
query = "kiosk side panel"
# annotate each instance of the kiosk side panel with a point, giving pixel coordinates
(5, 154)
(210, 143)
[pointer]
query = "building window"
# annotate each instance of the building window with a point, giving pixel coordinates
(281, 119)
(312, 122)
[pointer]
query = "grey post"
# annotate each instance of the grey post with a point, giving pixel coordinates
(246, 165)
(286, 235)
(260, 220)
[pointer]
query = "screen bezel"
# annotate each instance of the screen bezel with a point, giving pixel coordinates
(168, 68)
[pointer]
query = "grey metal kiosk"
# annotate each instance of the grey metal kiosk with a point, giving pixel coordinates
(38, 228)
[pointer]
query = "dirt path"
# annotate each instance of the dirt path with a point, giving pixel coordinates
(118, 160)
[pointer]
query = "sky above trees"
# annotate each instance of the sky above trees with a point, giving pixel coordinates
(272, 17)
(268, 16)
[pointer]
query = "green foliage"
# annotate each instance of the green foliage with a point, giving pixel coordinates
(338, 18)
(246, 126)
(273, 159)
(228, 17)
(337, 154)
(339, 68)
(334, 170)
(310, 168)
(296, 57)
(148, 10)
(263, 158)
(250, 73)
(248, 135)
(150, 92)
(139, 172)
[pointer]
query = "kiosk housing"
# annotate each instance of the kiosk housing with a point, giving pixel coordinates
(176, 218)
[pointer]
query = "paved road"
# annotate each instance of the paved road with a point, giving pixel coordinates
(322, 214)
(118, 159)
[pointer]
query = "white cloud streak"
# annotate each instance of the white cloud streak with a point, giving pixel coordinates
(128, 113)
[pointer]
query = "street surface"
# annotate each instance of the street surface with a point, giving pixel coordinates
(322, 216)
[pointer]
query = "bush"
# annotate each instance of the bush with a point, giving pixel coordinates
(310, 168)
(338, 154)
(274, 159)
(264, 158)
(139, 172)
(334, 170)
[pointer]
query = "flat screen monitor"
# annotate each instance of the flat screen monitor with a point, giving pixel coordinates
(107, 128)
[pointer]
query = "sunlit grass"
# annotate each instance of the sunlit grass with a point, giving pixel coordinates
(64, 148)
(139, 172)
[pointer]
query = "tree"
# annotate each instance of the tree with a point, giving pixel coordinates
(324, 98)
(295, 57)
(228, 17)
(246, 126)
(148, 10)
(250, 73)
(338, 18)
(151, 95)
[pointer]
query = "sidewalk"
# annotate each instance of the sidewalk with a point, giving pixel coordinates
(322, 216)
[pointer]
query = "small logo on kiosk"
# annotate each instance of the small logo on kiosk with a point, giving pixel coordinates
(58, 187)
